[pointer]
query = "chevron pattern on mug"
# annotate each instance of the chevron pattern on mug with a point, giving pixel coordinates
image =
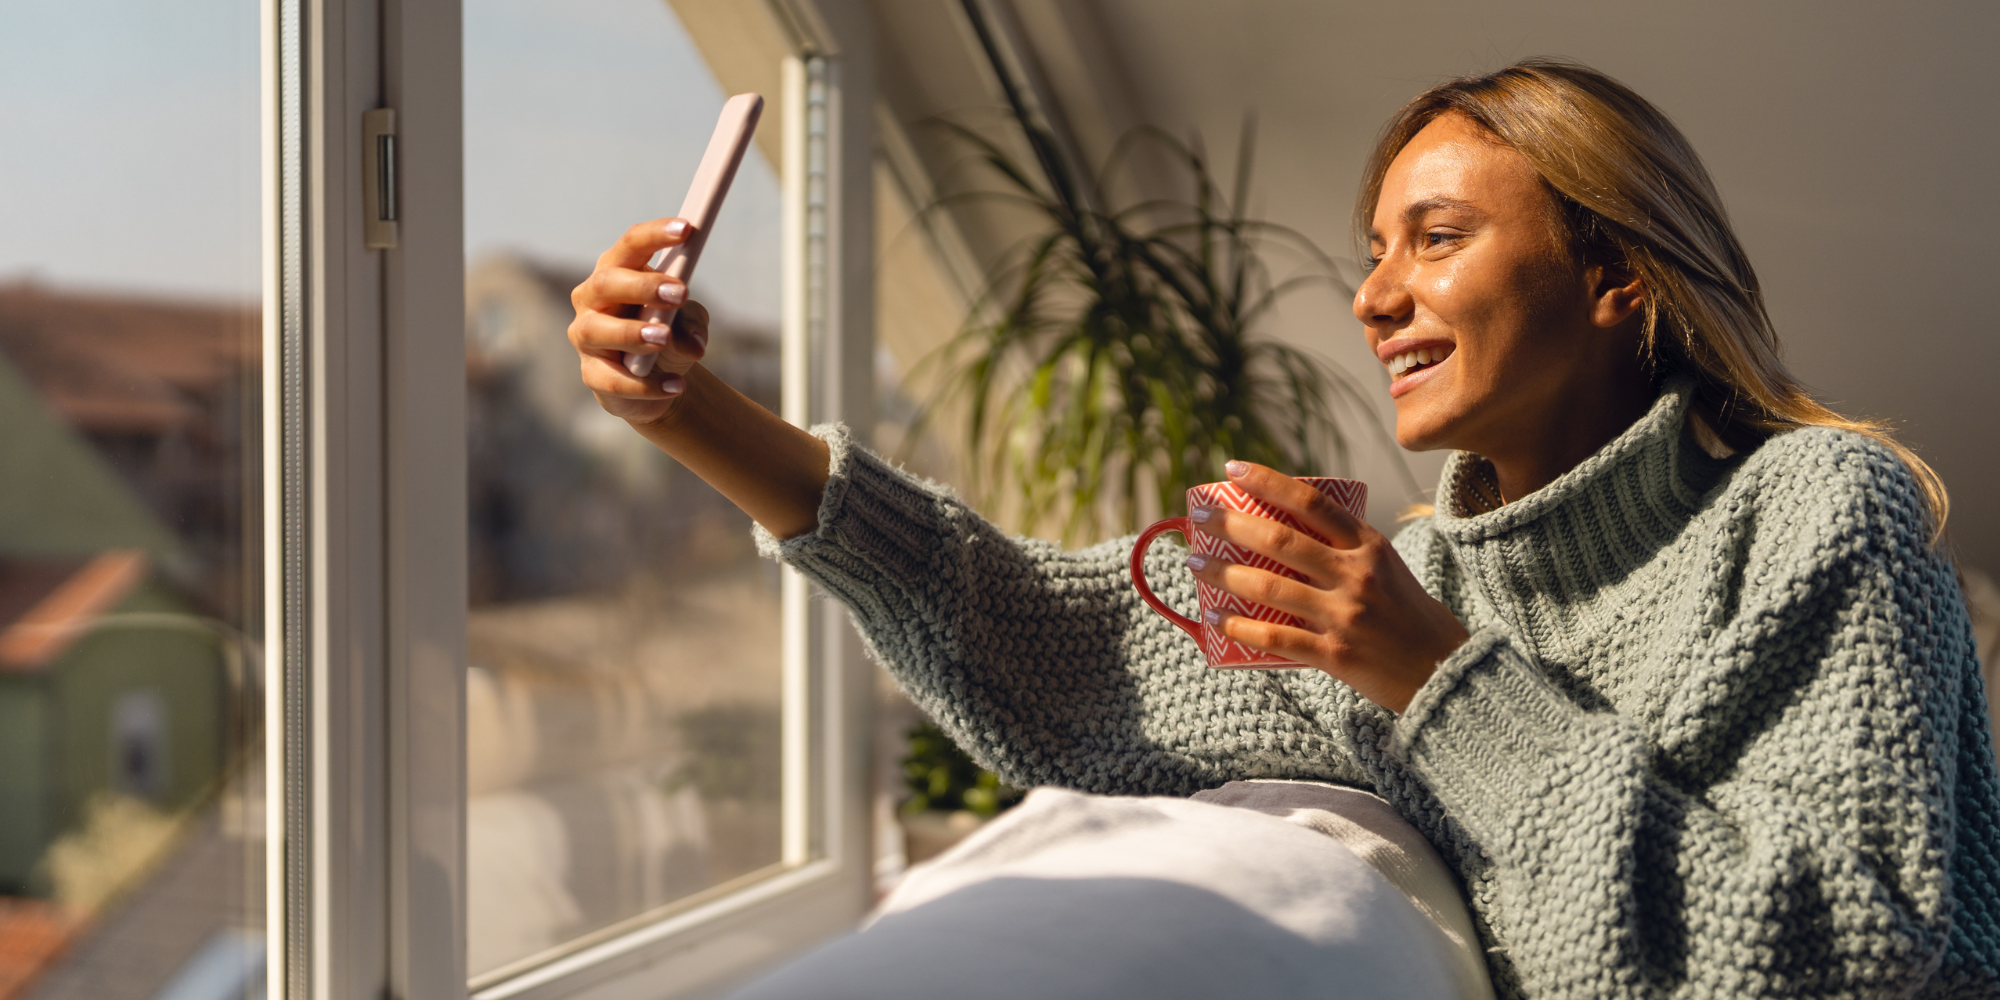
(1350, 494)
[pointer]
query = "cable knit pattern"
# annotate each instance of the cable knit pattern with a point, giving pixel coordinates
(1719, 730)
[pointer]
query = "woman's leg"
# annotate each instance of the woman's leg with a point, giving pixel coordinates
(1079, 896)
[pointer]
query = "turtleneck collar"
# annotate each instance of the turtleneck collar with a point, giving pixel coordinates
(1650, 476)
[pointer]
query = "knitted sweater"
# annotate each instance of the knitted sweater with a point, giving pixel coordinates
(1719, 730)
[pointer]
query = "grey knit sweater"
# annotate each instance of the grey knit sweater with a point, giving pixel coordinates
(1719, 730)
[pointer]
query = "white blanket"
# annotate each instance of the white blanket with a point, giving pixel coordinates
(1255, 889)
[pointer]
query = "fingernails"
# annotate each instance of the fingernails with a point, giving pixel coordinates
(1235, 469)
(1200, 515)
(1197, 562)
(673, 292)
(655, 335)
(1212, 616)
(677, 229)
(673, 385)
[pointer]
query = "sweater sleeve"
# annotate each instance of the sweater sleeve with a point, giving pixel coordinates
(1785, 832)
(1043, 664)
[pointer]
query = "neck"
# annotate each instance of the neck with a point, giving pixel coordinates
(1553, 442)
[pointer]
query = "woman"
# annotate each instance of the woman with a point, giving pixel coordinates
(1675, 677)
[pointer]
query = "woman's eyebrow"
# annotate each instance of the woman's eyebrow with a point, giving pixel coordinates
(1416, 209)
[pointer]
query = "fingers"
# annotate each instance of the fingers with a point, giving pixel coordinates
(621, 291)
(1317, 511)
(1289, 642)
(607, 376)
(622, 281)
(1261, 586)
(1290, 547)
(601, 343)
(641, 242)
(681, 343)
(1326, 652)
(691, 326)
(613, 320)
(1332, 653)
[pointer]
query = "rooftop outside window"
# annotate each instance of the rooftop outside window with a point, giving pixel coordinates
(131, 779)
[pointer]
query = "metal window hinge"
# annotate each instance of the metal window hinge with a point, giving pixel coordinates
(378, 177)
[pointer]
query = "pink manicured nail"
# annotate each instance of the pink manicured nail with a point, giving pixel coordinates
(1235, 469)
(673, 292)
(677, 229)
(656, 335)
(1197, 562)
(673, 385)
(1200, 515)
(1212, 616)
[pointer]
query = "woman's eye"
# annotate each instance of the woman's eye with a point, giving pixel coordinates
(1370, 263)
(1438, 239)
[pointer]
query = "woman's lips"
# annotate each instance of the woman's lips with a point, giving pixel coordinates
(1405, 383)
(1411, 363)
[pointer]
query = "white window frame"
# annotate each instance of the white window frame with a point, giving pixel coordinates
(365, 520)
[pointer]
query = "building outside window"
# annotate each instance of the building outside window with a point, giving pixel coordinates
(132, 833)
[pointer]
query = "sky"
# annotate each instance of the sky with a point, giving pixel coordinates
(130, 158)
(583, 117)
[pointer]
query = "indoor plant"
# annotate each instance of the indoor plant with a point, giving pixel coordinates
(1114, 356)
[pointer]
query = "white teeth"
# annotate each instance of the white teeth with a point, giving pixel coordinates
(1410, 359)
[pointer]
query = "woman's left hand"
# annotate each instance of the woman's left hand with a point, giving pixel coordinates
(1367, 621)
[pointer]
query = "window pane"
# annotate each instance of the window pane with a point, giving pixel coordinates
(623, 701)
(131, 814)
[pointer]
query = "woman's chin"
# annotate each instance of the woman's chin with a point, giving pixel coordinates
(1424, 418)
(1416, 432)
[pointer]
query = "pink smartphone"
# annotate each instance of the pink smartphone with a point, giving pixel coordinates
(704, 201)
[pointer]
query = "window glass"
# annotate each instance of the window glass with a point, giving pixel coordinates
(131, 815)
(624, 688)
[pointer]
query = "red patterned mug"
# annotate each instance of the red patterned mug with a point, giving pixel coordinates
(1221, 652)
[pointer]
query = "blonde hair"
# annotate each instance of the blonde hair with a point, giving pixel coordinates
(1633, 195)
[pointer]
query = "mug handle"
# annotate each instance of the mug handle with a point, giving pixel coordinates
(1139, 547)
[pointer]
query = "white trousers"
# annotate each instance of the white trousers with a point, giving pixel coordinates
(1256, 889)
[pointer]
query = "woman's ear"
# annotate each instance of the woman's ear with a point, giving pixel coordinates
(1616, 294)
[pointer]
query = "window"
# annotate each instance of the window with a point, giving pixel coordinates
(132, 833)
(269, 599)
(625, 686)
(715, 819)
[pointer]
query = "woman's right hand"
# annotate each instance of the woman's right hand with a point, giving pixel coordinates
(776, 472)
(607, 325)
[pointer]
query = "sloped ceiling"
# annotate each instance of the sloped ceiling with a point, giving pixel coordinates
(1855, 145)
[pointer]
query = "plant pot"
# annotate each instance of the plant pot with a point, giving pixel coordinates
(932, 832)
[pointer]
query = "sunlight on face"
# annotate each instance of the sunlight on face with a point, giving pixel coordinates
(1475, 303)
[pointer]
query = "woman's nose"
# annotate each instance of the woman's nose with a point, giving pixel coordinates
(1383, 300)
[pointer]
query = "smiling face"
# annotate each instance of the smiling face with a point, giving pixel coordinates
(1498, 339)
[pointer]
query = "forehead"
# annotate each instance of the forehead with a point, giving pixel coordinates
(1453, 159)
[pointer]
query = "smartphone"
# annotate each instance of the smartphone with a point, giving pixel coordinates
(704, 201)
